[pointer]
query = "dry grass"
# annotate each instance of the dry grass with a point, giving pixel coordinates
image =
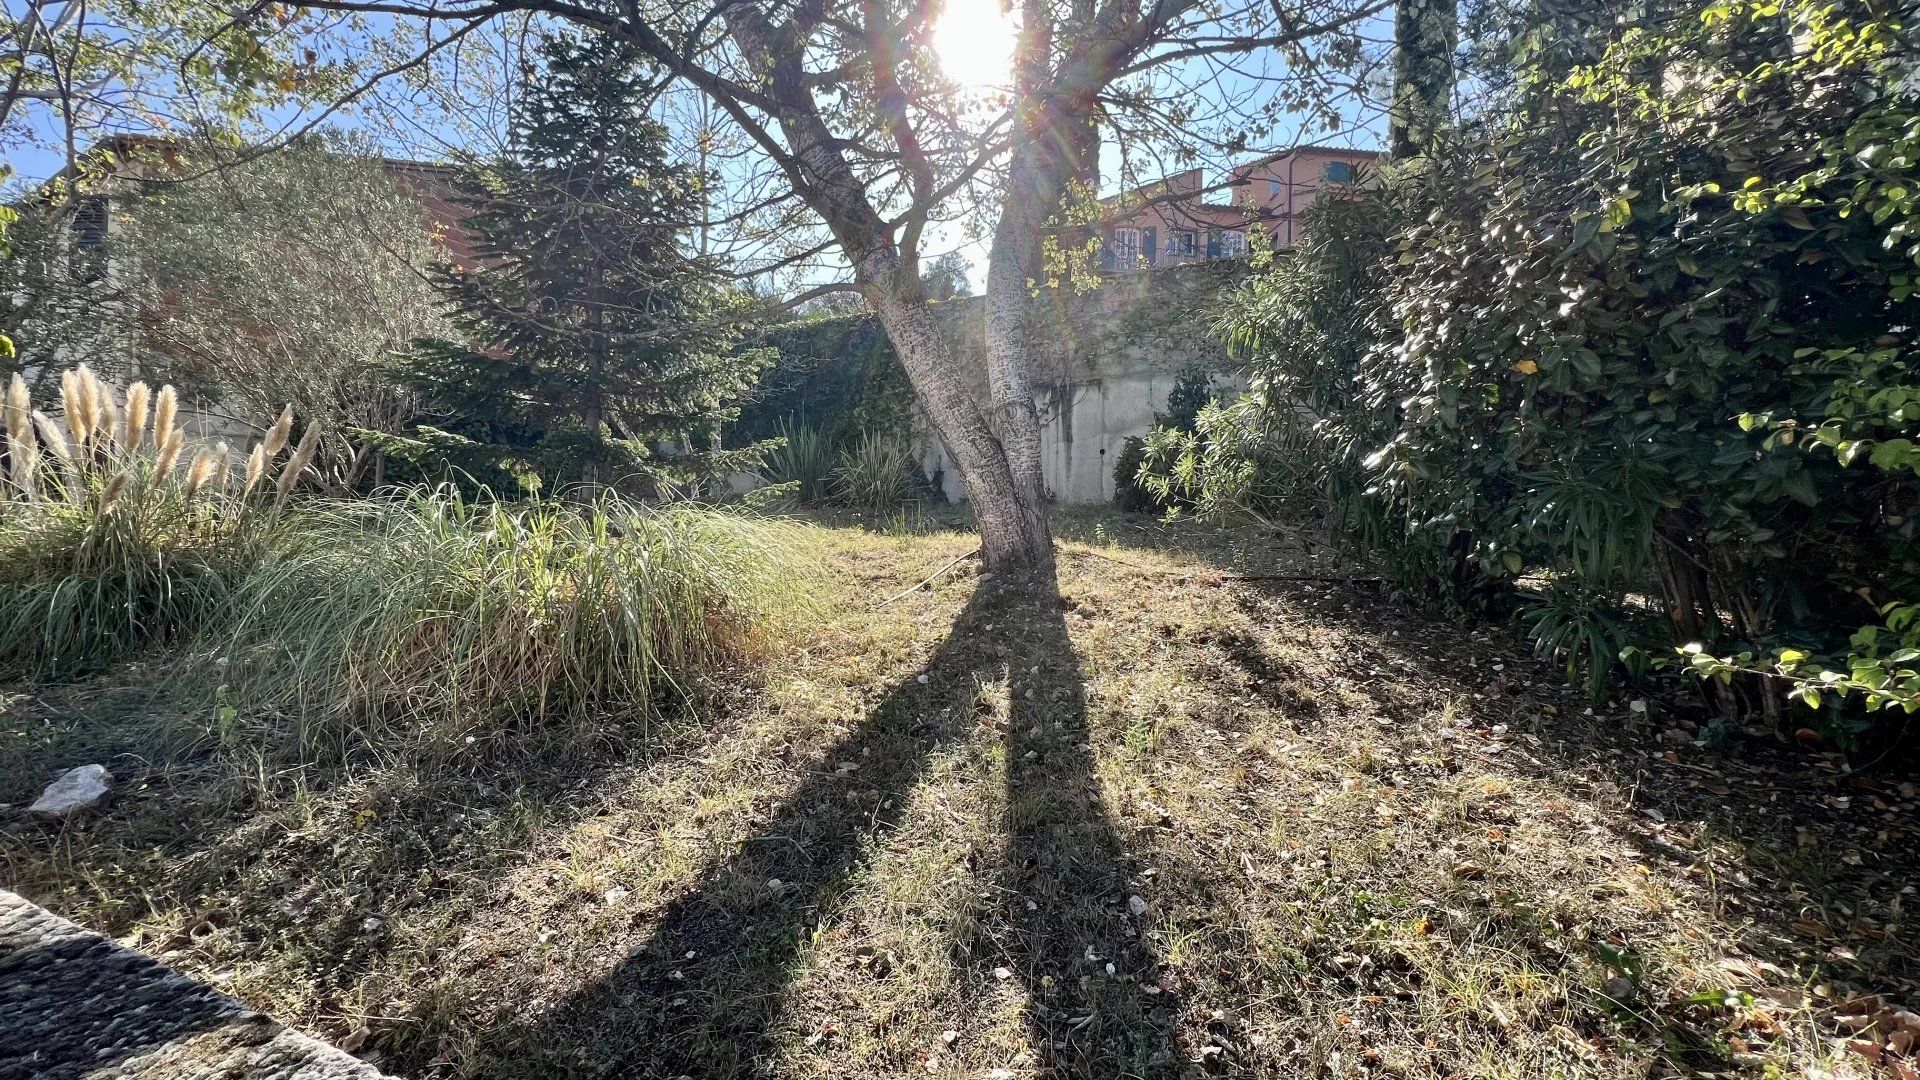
(1362, 843)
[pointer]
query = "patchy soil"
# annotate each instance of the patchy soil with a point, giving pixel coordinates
(1218, 812)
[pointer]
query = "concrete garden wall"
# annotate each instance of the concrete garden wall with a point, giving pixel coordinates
(1108, 358)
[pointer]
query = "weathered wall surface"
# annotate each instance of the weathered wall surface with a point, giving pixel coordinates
(1107, 360)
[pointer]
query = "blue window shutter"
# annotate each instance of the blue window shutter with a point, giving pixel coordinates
(1213, 243)
(1149, 244)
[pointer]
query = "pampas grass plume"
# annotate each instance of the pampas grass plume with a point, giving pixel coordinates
(133, 422)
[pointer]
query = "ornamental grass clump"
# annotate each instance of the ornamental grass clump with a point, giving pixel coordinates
(877, 472)
(430, 617)
(114, 534)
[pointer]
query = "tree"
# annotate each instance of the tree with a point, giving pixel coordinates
(946, 277)
(580, 314)
(56, 303)
(293, 277)
(1425, 34)
(846, 103)
(75, 71)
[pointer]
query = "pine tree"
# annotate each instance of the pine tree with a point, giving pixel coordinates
(592, 334)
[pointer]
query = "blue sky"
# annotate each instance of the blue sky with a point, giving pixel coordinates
(973, 34)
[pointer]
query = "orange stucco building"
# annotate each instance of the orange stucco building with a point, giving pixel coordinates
(1181, 219)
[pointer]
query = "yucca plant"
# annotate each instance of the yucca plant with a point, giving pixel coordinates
(111, 534)
(803, 460)
(876, 473)
(429, 616)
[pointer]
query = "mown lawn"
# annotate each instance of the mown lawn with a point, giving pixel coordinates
(1216, 813)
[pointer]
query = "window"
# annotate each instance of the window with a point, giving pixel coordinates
(89, 238)
(1126, 248)
(1233, 244)
(1338, 172)
(1180, 242)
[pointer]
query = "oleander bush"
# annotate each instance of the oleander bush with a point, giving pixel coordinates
(1630, 356)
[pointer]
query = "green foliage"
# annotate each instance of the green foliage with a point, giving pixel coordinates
(1192, 392)
(112, 536)
(588, 335)
(48, 310)
(803, 459)
(72, 77)
(423, 611)
(290, 278)
(877, 472)
(1129, 493)
(428, 617)
(1644, 330)
(837, 374)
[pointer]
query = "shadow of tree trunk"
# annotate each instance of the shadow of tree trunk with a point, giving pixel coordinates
(704, 994)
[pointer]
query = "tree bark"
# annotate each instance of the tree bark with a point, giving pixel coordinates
(1425, 34)
(1015, 541)
(996, 453)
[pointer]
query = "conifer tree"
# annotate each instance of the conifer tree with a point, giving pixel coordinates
(593, 336)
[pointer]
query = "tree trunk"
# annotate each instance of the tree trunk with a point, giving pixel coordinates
(995, 445)
(1425, 33)
(1015, 541)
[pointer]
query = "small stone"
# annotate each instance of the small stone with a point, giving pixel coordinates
(615, 895)
(76, 789)
(1002, 973)
(949, 1036)
(371, 925)
(1137, 905)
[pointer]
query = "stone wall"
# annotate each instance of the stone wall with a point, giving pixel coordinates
(1108, 358)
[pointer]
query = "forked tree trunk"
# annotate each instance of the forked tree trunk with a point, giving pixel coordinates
(999, 466)
(995, 444)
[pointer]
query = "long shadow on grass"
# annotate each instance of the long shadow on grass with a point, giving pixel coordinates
(315, 866)
(704, 995)
(1813, 889)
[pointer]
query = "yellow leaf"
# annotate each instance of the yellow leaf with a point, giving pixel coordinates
(1527, 367)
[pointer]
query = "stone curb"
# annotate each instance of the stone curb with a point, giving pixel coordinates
(74, 1005)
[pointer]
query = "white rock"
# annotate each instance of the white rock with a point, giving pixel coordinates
(615, 895)
(76, 789)
(1137, 905)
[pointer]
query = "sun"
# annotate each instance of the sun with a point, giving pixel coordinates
(974, 40)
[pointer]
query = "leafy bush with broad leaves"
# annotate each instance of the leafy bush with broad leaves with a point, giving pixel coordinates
(1647, 331)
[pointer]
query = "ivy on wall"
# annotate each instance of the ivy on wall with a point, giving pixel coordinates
(837, 375)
